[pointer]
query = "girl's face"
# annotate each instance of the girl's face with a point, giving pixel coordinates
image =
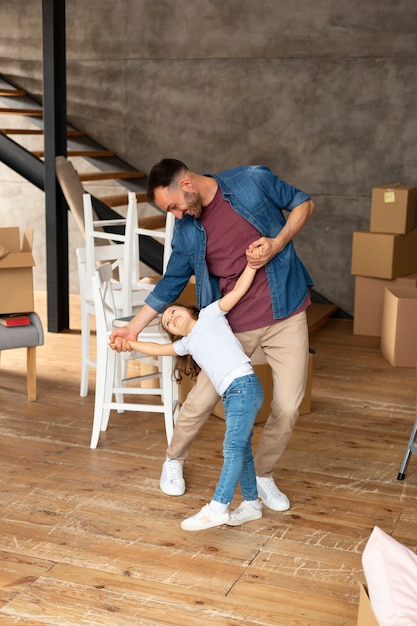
(177, 320)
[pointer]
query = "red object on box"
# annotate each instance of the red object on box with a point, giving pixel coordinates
(14, 320)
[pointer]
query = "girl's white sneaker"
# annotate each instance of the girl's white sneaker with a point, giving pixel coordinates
(206, 518)
(245, 512)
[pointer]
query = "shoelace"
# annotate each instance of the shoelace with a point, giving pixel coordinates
(173, 471)
(243, 510)
(270, 488)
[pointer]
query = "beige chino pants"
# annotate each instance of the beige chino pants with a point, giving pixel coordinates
(285, 347)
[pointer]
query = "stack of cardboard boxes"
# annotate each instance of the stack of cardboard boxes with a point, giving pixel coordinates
(384, 262)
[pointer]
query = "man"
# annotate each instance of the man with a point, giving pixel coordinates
(218, 217)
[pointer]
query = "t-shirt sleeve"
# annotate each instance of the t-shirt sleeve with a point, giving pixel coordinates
(180, 347)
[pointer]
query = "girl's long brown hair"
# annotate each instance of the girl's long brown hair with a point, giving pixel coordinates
(183, 365)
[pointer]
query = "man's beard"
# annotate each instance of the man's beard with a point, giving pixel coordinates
(194, 205)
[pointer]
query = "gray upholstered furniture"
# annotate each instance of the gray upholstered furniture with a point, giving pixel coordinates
(28, 337)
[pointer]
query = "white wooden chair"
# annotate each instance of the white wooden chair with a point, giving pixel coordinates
(110, 389)
(130, 288)
(118, 248)
(131, 269)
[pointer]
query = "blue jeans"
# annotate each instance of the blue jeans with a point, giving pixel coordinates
(242, 400)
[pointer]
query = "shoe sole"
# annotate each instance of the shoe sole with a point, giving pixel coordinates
(204, 527)
(248, 519)
(171, 493)
(274, 508)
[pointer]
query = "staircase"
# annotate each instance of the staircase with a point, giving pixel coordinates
(97, 164)
(26, 131)
(102, 174)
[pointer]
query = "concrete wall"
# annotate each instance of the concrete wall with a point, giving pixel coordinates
(322, 92)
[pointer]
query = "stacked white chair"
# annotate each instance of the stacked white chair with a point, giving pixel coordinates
(130, 289)
(110, 389)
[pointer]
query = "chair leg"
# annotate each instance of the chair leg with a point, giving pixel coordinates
(120, 374)
(106, 363)
(31, 373)
(111, 365)
(85, 353)
(409, 450)
(168, 396)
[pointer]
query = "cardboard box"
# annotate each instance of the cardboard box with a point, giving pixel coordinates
(393, 209)
(369, 302)
(16, 273)
(399, 327)
(366, 616)
(263, 370)
(188, 294)
(381, 255)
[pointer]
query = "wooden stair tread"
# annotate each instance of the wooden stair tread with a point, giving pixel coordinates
(89, 176)
(12, 92)
(122, 199)
(318, 314)
(30, 112)
(152, 222)
(37, 131)
(81, 153)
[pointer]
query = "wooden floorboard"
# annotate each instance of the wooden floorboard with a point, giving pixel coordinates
(88, 538)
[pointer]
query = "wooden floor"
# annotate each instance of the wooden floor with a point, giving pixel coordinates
(87, 537)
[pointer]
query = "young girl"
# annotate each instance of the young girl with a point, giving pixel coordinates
(208, 338)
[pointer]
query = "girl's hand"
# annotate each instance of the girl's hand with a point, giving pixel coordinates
(260, 252)
(120, 337)
(255, 252)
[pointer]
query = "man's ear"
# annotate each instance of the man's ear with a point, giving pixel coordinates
(186, 184)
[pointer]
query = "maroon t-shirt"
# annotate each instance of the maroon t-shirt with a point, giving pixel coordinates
(228, 236)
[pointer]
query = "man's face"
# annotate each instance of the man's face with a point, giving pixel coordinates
(179, 201)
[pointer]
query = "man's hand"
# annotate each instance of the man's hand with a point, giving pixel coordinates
(296, 220)
(261, 251)
(120, 337)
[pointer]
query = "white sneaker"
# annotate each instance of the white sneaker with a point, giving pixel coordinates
(206, 518)
(245, 512)
(172, 482)
(270, 495)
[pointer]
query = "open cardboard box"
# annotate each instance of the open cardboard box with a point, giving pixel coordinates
(262, 369)
(16, 270)
(399, 328)
(264, 373)
(366, 615)
(369, 301)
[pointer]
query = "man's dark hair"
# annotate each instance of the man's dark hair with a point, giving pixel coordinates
(162, 175)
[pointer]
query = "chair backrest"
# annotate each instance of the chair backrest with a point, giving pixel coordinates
(131, 266)
(124, 255)
(134, 232)
(105, 308)
(107, 250)
(72, 189)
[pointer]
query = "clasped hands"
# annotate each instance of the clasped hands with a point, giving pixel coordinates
(261, 251)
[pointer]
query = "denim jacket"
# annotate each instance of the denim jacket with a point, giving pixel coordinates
(258, 196)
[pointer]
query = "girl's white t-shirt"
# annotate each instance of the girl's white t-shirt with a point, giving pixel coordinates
(215, 349)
